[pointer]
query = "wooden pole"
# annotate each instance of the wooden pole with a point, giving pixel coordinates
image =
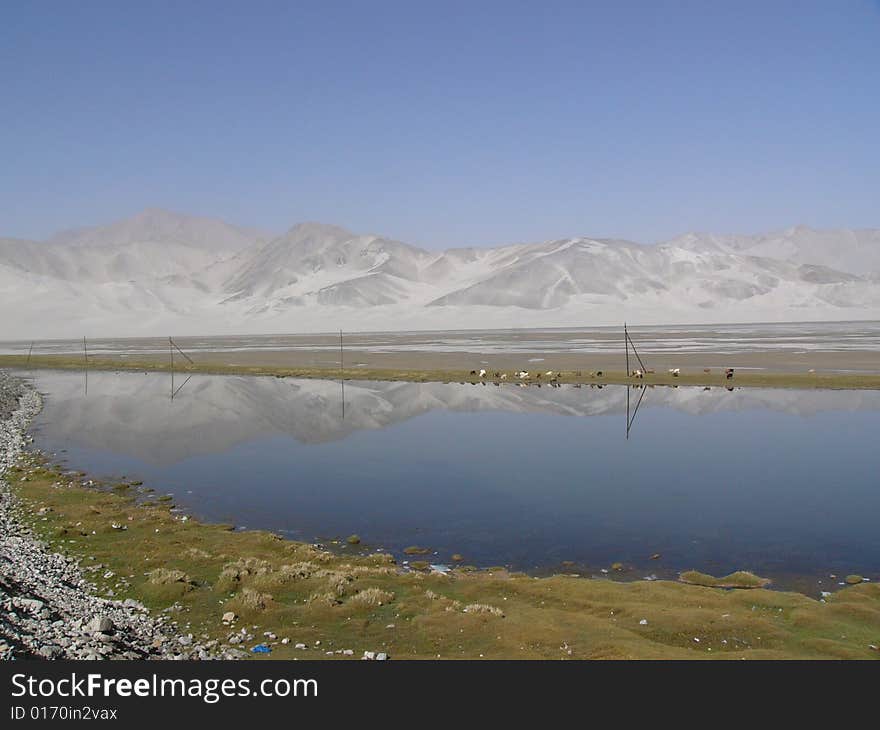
(636, 352)
(188, 358)
(342, 373)
(30, 350)
(86, 352)
(627, 343)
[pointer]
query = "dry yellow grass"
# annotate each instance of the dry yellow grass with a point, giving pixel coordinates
(308, 594)
(694, 376)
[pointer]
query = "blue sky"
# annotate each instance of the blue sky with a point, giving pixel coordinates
(443, 123)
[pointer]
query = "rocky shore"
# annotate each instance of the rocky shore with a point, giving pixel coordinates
(48, 609)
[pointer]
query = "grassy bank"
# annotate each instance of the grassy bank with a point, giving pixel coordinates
(349, 599)
(696, 376)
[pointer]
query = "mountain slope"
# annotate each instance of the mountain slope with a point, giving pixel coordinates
(156, 226)
(856, 251)
(160, 272)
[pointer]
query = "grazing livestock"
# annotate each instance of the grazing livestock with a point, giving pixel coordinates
(674, 372)
(503, 376)
(473, 372)
(482, 372)
(728, 373)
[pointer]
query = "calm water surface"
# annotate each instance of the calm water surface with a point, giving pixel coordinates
(781, 482)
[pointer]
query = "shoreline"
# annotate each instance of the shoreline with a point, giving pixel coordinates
(347, 604)
(537, 376)
(51, 608)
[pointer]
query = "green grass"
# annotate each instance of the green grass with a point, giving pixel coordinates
(697, 377)
(364, 601)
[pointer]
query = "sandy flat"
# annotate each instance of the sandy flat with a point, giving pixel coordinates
(846, 347)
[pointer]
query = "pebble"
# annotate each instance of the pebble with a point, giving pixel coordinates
(50, 610)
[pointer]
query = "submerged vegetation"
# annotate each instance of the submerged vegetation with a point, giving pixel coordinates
(252, 587)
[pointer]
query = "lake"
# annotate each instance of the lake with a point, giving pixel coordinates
(780, 482)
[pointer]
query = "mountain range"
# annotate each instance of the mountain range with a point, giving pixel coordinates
(160, 272)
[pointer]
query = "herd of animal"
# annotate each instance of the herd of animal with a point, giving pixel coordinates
(525, 376)
(553, 377)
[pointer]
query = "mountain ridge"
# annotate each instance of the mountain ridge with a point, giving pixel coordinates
(159, 270)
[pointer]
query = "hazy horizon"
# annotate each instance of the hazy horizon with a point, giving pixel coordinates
(151, 209)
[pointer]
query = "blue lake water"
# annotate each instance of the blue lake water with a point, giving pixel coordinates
(784, 483)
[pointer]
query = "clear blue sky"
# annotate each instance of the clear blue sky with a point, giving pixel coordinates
(443, 123)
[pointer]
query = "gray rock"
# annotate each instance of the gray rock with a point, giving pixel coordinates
(49, 607)
(99, 624)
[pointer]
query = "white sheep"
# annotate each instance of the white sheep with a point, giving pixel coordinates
(482, 372)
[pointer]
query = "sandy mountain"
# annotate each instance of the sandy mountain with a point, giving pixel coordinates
(856, 251)
(157, 227)
(324, 264)
(159, 272)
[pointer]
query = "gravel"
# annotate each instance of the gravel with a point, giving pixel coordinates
(47, 607)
